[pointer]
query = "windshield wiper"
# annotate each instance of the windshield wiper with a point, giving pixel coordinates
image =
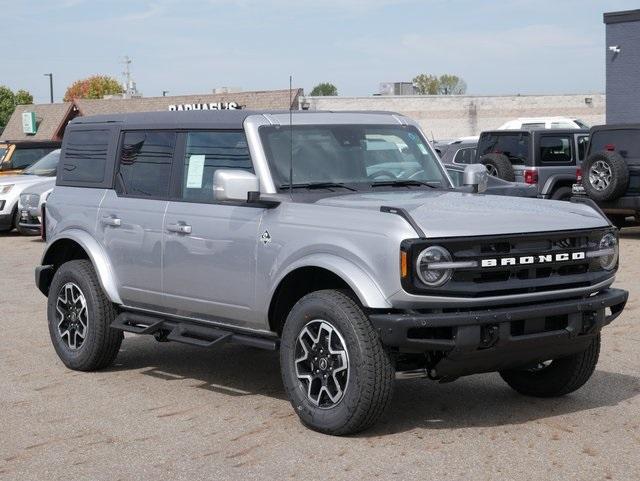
(401, 183)
(318, 185)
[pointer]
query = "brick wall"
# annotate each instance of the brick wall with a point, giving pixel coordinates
(623, 73)
(445, 117)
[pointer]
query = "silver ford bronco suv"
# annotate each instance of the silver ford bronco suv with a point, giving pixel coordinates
(298, 232)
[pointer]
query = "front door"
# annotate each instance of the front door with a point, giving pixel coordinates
(209, 247)
(131, 216)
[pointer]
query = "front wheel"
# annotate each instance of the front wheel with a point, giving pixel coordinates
(556, 377)
(335, 370)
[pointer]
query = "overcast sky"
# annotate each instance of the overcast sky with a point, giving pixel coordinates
(188, 46)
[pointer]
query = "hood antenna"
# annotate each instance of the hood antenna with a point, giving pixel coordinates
(291, 136)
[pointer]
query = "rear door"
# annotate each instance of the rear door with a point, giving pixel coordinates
(556, 160)
(626, 142)
(130, 221)
(210, 247)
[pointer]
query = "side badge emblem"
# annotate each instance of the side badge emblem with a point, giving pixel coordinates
(265, 237)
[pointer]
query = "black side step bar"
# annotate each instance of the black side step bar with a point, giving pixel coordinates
(187, 333)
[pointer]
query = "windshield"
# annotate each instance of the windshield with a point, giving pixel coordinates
(357, 155)
(3, 152)
(46, 166)
(514, 145)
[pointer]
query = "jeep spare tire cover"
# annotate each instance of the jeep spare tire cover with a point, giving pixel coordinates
(605, 175)
(499, 166)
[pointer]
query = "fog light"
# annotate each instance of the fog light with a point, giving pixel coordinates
(431, 266)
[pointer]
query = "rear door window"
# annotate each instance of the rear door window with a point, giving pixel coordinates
(85, 156)
(145, 164)
(514, 145)
(625, 142)
(555, 149)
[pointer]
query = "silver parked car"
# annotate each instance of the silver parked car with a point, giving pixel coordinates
(336, 238)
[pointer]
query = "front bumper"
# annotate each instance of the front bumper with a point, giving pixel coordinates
(29, 219)
(483, 340)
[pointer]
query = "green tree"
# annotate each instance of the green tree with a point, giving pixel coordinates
(94, 87)
(324, 89)
(426, 84)
(23, 97)
(446, 84)
(9, 100)
(451, 85)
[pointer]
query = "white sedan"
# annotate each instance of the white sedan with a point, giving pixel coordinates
(12, 186)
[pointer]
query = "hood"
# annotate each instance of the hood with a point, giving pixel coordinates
(456, 214)
(41, 187)
(23, 179)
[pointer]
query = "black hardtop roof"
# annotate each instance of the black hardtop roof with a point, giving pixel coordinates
(536, 130)
(222, 119)
(615, 127)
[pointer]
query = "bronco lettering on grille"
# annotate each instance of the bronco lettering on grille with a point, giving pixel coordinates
(534, 259)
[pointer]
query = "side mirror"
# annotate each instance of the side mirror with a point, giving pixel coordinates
(234, 185)
(476, 175)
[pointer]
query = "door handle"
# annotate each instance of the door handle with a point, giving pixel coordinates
(112, 221)
(180, 228)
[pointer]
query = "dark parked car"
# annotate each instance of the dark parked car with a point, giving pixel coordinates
(543, 157)
(460, 151)
(610, 174)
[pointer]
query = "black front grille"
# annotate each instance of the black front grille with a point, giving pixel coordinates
(514, 279)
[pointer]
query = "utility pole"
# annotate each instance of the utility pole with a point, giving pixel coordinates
(127, 72)
(50, 75)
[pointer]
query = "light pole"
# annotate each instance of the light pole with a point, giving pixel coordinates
(50, 75)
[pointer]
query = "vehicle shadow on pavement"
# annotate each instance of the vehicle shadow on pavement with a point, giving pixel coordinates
(486, 401)
(475, 401)
(228, 369)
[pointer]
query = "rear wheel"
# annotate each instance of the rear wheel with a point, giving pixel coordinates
(555, 377)
(562, 193)
(80, 315)
(335, 370)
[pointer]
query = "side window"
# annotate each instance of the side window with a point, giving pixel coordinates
(85, 156)
(465, 156)
(456, 177)
(583, 142)
(555, 149)
(145, 164)
(205, 153)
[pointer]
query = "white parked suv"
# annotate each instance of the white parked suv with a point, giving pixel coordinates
(544, 123)
(11, 186)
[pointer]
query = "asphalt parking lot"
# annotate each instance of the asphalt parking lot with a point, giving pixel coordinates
(170, 411)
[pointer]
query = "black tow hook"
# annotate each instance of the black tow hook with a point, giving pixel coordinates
(489, 335)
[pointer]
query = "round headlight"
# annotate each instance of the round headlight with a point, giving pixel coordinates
(427, 267)
(609, 243)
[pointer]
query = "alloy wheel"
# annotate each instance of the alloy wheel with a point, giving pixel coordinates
(492, 170)
(600, 175)
(322, 363)
(72, 315)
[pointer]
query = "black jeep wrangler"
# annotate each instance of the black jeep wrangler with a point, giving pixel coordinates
(611, 174)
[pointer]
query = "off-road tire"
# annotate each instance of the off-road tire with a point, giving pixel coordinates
(370, 383)
(562, 377)
(102, 343)
(562, 193)
(619, 176)
(501, 164)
